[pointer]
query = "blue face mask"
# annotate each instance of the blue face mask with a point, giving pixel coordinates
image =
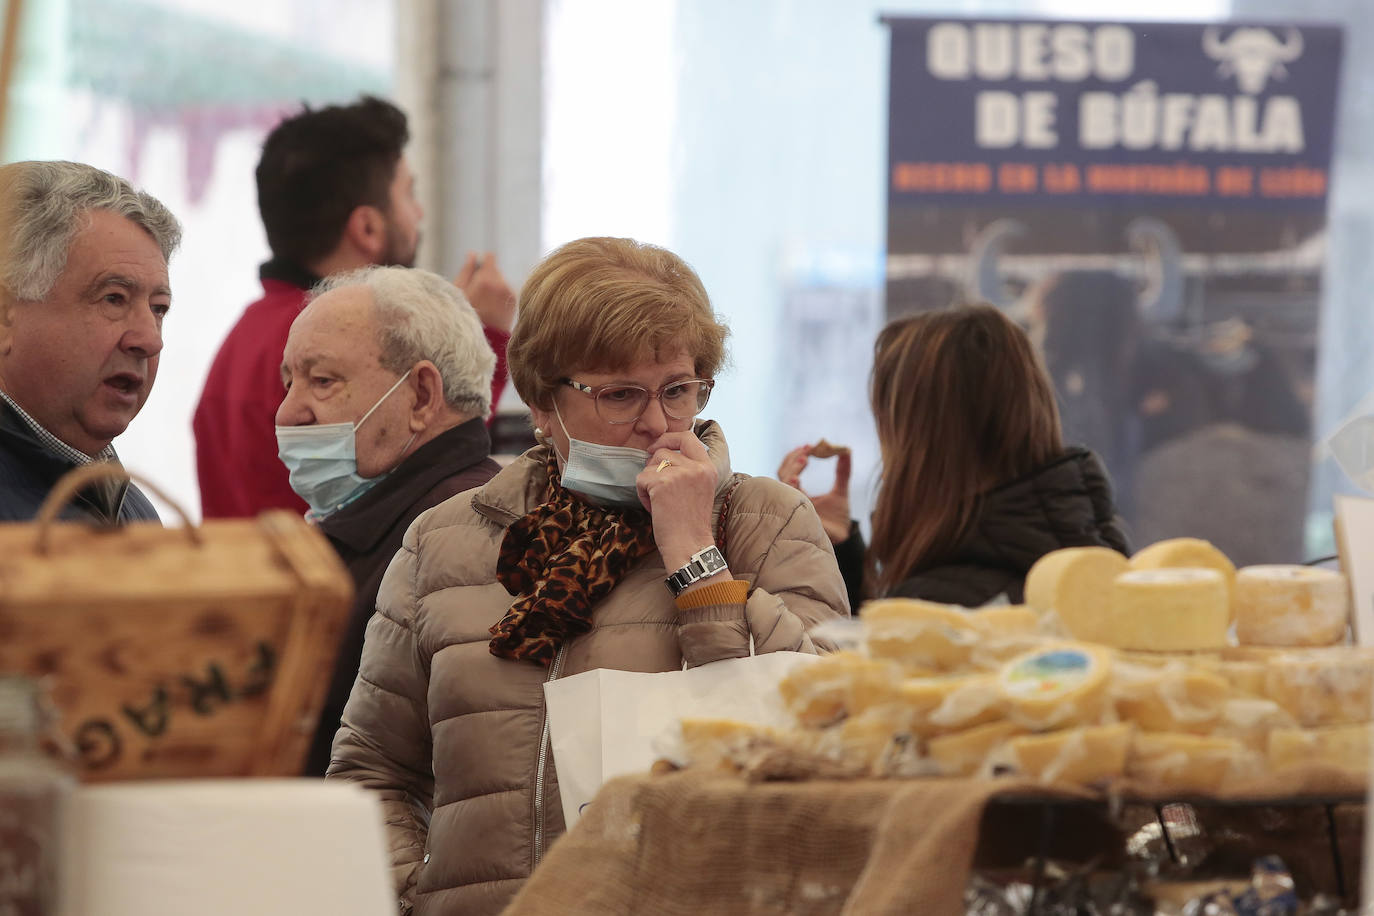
(605, 474)
(323, 461)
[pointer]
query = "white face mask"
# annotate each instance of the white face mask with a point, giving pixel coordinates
(603, 473)
(323, 461)
(1353, 448)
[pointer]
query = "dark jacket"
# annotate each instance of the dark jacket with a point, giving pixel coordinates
(28, 471)
(368, 533)
(1067, 503)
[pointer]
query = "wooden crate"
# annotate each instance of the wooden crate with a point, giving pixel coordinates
(176, 652)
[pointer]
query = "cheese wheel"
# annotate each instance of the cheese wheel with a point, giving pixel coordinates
(836, 686)
(1291, 606)
(1345, 747)
(1077, 755)
(922, 636)
(963, 753)
(1058, 685)
(1323, 686)
(1075, 584)
(1176, 698)
(1168, 610)
(1189, 763)
(1191, 552)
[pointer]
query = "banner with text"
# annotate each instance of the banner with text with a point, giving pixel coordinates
(1149, 200)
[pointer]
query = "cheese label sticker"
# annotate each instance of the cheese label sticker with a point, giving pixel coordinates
(1048, 673)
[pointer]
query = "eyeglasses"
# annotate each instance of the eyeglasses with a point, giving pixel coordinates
(681, 400)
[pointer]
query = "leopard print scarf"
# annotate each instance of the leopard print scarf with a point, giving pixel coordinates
(559, 561)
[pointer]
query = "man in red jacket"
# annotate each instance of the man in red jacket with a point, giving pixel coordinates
(335, 193)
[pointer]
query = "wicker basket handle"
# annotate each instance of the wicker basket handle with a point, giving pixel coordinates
(77, 479)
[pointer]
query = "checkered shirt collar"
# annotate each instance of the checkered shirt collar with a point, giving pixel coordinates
(56, 445)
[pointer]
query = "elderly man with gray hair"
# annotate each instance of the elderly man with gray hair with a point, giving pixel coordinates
(83, 293)
(388, 384)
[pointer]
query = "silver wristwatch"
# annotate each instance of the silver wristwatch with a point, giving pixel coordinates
(705, 562)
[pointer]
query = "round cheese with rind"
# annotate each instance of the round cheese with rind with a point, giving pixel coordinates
(1189, 552)
(1075, 584)
(1056, 686)
(1284, 605)
(1168, 610)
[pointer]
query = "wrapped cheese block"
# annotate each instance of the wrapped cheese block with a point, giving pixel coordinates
(878, 742)
(1074, 584)
(719, 743)
(1076, 755)
(1322, 686)
(963, 753)
(1249, 720)
(1007, 620)
(1189, 763)
(836, 686)
(1291, 606)
(1177, 697)
(924, 637)
(1168, 610)
(1059, 685)
(1004, 632)
(1245, 677)
(965, 701)
(1346, 747)
(1189, 552)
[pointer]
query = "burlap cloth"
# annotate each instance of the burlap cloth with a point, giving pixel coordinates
(703, 842)
(695, 842)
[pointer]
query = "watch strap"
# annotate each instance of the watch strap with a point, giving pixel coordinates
(705, 562)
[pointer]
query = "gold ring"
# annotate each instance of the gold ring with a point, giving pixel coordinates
(663, 464)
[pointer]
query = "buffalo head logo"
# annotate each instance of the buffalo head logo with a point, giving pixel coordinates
(1252, 55)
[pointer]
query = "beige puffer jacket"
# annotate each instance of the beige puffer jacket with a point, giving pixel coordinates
(438, 724)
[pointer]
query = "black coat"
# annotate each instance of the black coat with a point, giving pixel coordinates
(1066, 503)
(367, 533)
(29, 470)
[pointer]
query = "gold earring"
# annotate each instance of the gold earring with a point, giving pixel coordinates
(538, 433)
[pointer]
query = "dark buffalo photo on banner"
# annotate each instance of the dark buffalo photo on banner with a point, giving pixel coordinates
(1149, 202)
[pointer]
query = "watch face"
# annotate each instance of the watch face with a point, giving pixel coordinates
(712, 560)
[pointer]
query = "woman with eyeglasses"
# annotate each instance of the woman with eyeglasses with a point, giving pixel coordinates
(623, 540)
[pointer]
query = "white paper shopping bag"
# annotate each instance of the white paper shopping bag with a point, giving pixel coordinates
(603, 723)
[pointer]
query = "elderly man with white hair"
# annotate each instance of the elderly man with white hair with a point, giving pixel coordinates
(388, 384)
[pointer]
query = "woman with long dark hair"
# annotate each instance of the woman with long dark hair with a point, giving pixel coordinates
(976, 483)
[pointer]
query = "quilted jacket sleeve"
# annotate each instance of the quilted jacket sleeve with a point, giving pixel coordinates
(384, 742)
(774, 541)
